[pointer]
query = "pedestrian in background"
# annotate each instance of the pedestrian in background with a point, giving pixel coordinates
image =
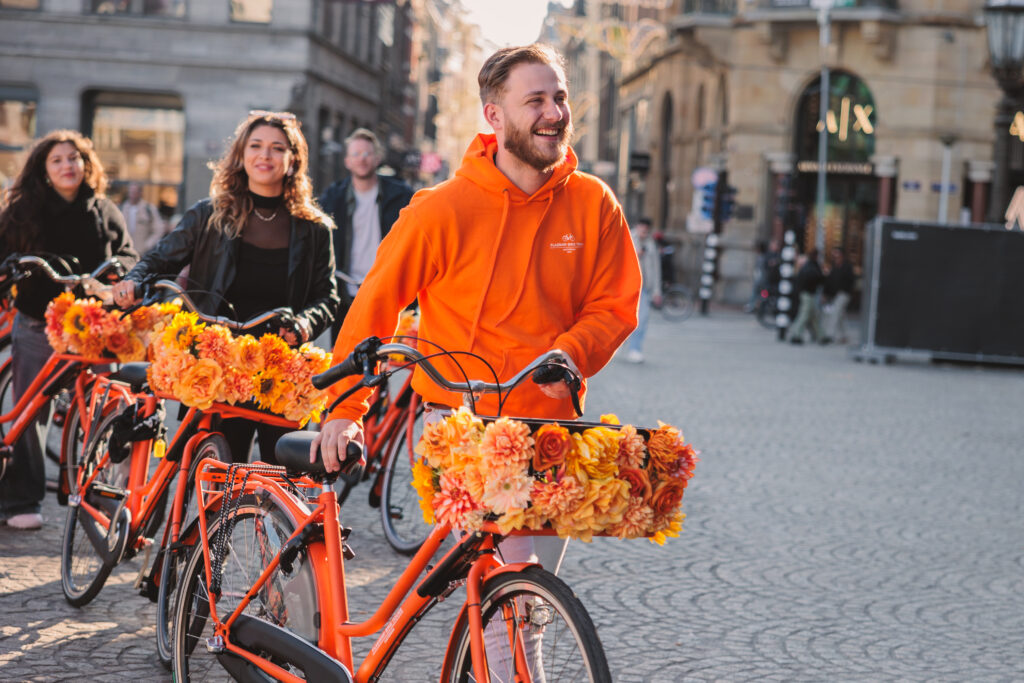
(364, 207)
(145, 224)
(808, 283)
(839, 284)
(650, 293)
(258, 242)
(57, 205)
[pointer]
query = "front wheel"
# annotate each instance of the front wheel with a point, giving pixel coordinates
(91, 549)
(677, 303)
(533, 621)
(175, 558)
(400, 512)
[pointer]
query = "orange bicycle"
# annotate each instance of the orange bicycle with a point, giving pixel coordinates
(120, 500)
(263, 596)
(64, 375)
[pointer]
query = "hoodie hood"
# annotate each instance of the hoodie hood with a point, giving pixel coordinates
(479, 168)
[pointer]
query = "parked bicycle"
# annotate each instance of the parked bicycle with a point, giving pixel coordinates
(65, 375)
(264, 591)
(677, 302)
(120, 500)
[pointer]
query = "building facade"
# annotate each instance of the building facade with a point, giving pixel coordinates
(159, 86)
(737, 87)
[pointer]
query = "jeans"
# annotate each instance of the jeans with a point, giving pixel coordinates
(834, 315)
(806, 317)
(24, 486)
(643, 313)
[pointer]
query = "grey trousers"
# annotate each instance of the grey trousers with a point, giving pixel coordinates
(24, 486)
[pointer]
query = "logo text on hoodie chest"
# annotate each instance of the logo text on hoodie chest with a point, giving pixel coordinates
(567, 243)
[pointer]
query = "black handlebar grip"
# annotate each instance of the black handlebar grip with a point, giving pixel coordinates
(346, 368)
(548, 373)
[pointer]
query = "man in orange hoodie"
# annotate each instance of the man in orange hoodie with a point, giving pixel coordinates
(519, 254)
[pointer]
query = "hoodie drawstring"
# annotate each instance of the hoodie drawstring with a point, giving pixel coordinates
(494, 262)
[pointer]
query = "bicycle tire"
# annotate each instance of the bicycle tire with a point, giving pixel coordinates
(766, 314)
(172, 566)
(570, 649)
(288, 599)
(73, 437)
(83, 570)
(400, 513)
(677, 303)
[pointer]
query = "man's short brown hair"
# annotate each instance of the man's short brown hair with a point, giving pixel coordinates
(496, 69)
(369, 136)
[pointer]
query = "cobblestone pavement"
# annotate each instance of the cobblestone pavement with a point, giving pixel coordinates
(848, 522)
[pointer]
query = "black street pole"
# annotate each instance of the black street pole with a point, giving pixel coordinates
(711, 245)
(1001, 156)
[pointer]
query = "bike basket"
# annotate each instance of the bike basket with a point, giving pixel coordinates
(578, 479)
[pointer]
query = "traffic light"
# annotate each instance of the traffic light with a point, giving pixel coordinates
(728, 205)
(707, 200)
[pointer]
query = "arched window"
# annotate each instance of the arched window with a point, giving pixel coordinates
(851, 120)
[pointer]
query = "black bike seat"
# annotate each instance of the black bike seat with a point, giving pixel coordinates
(292, 453)
(132, 374)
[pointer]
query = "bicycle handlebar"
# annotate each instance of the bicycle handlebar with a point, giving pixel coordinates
(90, 283)
(283, 313)
(371, 350)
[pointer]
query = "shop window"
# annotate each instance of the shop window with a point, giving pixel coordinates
(256, 11)
(19, 4)
(157, 8)
(17, 130)
(140, 139)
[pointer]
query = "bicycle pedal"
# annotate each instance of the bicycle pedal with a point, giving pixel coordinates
(215, 645)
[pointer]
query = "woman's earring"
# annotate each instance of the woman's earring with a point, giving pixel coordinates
(48, 181)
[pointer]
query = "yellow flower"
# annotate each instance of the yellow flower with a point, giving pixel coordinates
(667, 526)
(424, 482)
(269, 387)
(180, 333)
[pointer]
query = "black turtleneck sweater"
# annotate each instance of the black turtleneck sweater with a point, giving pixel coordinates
(90, 228)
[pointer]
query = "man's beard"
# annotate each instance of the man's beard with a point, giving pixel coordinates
(519, 142)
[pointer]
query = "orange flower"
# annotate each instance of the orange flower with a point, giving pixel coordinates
(506, 445)
(631, 448)
(666, 448)
(507, 489)
(636, 521)
(452, 503)
(433, 444)
(129, 351)
(423, 480)
(246, 355)
(639, 483)
(552, 443)
(214, 342)
(667, 496)
(275, 351)
(199, 384)
(666, 526)
(557, 498)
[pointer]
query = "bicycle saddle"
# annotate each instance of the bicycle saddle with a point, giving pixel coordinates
(292, 453)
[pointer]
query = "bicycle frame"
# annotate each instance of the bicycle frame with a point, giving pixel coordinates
(397, 613)
(144, 491)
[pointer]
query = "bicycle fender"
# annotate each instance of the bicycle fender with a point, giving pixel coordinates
(463, 616)
(278, 644)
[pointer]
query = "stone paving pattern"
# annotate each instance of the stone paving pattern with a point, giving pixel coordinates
(847, 522)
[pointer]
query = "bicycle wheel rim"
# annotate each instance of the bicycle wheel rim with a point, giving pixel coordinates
(288, 599)
(401, 514)
(84, 568)
(175, 559)
(546, 619)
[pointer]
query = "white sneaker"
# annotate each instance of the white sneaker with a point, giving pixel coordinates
(635, 357)
(26, 521)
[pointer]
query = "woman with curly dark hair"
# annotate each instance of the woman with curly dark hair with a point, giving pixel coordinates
(55, 206)
(258, 242)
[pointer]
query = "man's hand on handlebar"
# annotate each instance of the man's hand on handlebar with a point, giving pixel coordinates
(332, 442)
(556, 386)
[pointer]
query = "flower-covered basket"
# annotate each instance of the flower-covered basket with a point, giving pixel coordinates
(199, 364)
(578, 479)
(85, 327)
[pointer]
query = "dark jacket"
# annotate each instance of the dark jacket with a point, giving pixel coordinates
(339, 200)
(312, 291)
(90, 228)
(809, 278)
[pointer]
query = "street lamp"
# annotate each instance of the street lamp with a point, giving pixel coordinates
(1005, 22)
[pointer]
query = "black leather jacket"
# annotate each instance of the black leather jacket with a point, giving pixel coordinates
(312, 289)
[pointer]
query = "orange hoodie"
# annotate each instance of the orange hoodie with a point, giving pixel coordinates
(503, 275)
